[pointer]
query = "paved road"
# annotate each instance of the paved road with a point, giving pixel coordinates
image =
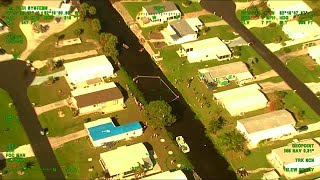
(17, 79)
(226, 9)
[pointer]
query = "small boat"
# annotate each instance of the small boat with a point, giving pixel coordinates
(125, 46)
(140, 50)
(182, 144)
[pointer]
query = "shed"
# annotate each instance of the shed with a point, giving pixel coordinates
(314, 53)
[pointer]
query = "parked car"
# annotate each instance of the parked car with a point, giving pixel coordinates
(302, 128)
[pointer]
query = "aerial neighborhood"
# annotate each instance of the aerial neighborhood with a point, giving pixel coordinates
(160, 89)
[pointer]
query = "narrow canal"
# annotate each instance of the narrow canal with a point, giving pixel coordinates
(207, 162)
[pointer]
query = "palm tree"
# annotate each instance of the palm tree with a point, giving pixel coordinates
(92, 11)
(28, 165)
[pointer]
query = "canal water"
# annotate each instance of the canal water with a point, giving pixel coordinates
(207, 162)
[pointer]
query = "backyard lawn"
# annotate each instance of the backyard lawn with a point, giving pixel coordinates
(44, 94)
(14, 30)
(135, 7)
(305, 69)
(10, 125)
(224, 32)
(47, 48)
(209, 18)
(295, 104)
(268, 34)
(33, 173)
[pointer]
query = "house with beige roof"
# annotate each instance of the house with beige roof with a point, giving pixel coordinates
(240, 100)
(120, 163)
(158, 14)
(47, 7)
(314, 53)
(221, 75)
(105, 97)
(297, 159)
(267, 126)
(182, 31)
(204, 50)
(287, 8)
(297, 31)
(89, 71)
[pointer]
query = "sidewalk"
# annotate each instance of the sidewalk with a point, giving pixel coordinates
(52, 106)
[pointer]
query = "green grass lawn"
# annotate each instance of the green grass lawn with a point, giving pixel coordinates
(33, 173)
(295, 104)
(209, 18)
(10, 127)
(45, 94)
(47, 48)
(193, 7)
(305, 69)
(12, 47)
(268, 34)
(224, 32)
(146, 31)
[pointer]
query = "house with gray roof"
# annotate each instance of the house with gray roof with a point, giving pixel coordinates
(267, 126)
(158, 14)
(182, 31)
(218, 76)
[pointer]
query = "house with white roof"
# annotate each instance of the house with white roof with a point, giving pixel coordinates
(241, 100)
(206, 49)
(3, 27)
(121, 162)
(289, 8)
(47, 7)
(267, 126)
(103, 131)
(158, 14)
(105, 98)
(314, 53)
(221, 75)
(182, 31)
(167, 175)
(88, 71)
(301, 31)
(297, 159)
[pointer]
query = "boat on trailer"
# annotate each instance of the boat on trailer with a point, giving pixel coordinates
(182, 144)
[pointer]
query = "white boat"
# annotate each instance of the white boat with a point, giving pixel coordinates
(182, 144)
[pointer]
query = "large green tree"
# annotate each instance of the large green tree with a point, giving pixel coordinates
(92, 11)
(159, 113)
(216, 125)
(96, 25)
(233, 140)
(109, 43)
(83, 12)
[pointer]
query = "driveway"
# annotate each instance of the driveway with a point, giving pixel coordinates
(52, 106)
(226, 9)
(41, 79)
(269, 87)
(57, 142)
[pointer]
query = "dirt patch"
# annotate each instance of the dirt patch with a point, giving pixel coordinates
(155, 35)
(159, 45)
